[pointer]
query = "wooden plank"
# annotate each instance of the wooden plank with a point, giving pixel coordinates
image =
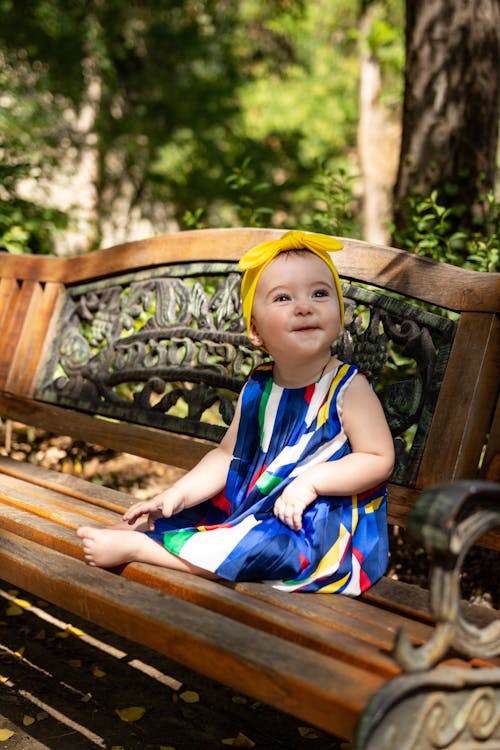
(12, 327)
(328, 693)
(414, 601)
(181, 451)
(401, 499)
(64, 484)
(400, 271)
(40, 503)
(336, 632)
(8, 291)
(331, 624)
(490, 468)
(466, 402)
(32, 338)
(148, 442)
(355, 616)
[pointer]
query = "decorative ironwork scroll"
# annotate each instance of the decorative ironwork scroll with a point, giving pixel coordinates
(166, 347)
(445, 709)
(447, 520)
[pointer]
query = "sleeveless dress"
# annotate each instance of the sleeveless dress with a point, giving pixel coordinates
(343, 544)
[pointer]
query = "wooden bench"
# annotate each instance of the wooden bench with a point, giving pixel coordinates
(141, 348)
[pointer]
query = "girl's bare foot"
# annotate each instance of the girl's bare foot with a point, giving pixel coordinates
(113, 546)
(107, 548)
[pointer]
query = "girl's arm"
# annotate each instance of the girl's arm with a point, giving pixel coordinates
(369, 464)
(203, 481)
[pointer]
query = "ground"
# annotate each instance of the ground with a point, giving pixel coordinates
(68, 685)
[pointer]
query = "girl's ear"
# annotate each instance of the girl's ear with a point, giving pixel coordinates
(254, 335)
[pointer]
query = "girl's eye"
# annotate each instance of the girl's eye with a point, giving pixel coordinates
(281, 298)
(321, 293)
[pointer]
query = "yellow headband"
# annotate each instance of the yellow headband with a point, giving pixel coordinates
(257, 258)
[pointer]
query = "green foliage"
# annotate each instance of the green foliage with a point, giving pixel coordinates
(435, 230)
(28, 228)
(199, 112)
(25, 227)
(30, 138)
(335, 207)
(247, 196)
(205, 113)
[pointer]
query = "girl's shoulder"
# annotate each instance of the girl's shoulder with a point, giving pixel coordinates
(349, 369)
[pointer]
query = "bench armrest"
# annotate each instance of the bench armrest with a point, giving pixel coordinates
(447, 520)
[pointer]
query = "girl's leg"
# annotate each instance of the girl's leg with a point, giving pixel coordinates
(109, 547)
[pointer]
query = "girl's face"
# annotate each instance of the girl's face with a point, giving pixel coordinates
(296, 309)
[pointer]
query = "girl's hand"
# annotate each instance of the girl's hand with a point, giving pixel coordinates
(165, 504)
(292, 503)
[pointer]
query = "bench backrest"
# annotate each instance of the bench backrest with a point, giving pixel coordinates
(142, 348)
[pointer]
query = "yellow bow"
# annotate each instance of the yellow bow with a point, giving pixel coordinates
(257, 258)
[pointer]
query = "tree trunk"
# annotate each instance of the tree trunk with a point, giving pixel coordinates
(377, 147)
(451, 103)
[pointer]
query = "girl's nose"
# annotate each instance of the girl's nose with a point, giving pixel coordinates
(302, 306)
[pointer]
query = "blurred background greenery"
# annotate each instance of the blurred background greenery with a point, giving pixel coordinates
(375, 119)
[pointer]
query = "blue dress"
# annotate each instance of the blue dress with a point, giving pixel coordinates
(342, 546)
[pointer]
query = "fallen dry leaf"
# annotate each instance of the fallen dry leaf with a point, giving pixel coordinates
(13, 610)
(98, 672)
(132, 713)
(241, 740)
(5, 734)
(308, 733)
(189, 696)
(28, 721)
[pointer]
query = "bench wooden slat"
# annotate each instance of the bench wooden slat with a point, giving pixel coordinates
(147, 442)
(472, 372)
(27, 356)
(46, 502)
(8, 290)
(436, 283)
(334, 631)
(13, 325)
(332, 624)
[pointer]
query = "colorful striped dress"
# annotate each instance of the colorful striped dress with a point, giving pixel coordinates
(342, 546)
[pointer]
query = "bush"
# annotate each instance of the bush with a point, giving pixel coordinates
(437, 231)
